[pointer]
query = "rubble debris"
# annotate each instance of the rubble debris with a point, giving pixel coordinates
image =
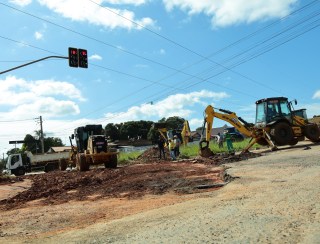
(147, 175)
(133, 181)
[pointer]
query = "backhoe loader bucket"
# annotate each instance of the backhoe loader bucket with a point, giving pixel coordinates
(205, 151)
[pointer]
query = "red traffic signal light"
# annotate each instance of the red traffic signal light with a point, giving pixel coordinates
(83, 58)
(73, 57)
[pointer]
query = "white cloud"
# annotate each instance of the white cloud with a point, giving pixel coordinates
(175, 105)
(21, 3)
(38, 35)
(27, 99)
(134, 2)
(95, 57)
(316, 95)
(82, 10)
(229, 12)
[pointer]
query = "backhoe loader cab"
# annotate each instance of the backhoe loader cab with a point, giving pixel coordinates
(270, 110)
(285, 126)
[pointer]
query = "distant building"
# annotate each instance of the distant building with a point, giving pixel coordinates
(196, 135)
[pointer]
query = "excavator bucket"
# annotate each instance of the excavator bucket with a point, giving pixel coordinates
(205, 151)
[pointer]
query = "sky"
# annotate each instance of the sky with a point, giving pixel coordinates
(150, 59)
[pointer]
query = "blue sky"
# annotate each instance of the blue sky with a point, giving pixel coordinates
(151, 59)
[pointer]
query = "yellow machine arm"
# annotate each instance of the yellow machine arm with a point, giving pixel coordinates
(241, 125)
(186, 132)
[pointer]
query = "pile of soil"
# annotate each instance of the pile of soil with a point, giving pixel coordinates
(146, 176)
(132, 181)
(5, 179)
(152, 154)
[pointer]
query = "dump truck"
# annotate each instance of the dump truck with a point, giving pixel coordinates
(91, 148)
(19, 164)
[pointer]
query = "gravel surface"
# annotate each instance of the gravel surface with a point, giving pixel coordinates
(275, 199)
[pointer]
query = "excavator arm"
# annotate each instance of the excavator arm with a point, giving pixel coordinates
(240, 124)
(185, 133)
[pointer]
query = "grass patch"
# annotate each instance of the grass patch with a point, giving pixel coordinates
(188, 151)
(125, 157)
(192, 150)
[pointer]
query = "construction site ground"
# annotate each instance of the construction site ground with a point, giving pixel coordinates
(264, 197)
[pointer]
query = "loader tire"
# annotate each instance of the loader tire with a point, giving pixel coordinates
(112, 162)
(282, 134)
(63, 164)
(312, 132)
(82, 164)
(293, 142)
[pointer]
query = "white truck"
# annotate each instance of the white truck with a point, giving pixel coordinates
(19, 164)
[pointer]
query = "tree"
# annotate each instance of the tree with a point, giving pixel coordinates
(174, 123)
(33, 145)
(112, 131)
(134, 129)
(52, 142)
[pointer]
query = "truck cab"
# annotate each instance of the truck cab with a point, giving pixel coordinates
(15, 165)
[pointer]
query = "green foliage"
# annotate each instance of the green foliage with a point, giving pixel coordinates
(130, 129)
(192, 150)
(173, 123)
(34, 145)
(112, 131)
(125, 157)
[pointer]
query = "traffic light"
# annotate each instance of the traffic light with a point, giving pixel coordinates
(73, 57)
(83, 58)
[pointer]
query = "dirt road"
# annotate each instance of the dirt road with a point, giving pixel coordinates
(273, 199)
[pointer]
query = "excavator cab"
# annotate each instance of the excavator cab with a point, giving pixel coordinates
(271, 110)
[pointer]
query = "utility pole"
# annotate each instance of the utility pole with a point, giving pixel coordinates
(41, 135)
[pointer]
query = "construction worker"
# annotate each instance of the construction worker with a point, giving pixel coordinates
(177, 143)
(229, 142)
(161, 143)
(171, 149)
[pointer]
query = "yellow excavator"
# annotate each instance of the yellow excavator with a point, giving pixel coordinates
(186, 132)
(166, 134)
(277, 124)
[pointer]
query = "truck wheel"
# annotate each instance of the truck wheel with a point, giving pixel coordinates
(312, 132)
(82, 164)
(282, 134)
(112, 162)
(19, 171)
(63, 164)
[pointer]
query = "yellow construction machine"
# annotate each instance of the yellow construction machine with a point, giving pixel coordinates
(277, 124)
(185, 133)
(166, 134)
(92, 149)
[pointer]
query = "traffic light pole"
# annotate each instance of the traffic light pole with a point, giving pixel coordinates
(32, 63)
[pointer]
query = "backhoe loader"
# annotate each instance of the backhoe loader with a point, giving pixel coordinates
(277, 124)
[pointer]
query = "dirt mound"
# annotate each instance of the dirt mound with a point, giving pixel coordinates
(152, 154)
(5, 179)
(132, 181)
